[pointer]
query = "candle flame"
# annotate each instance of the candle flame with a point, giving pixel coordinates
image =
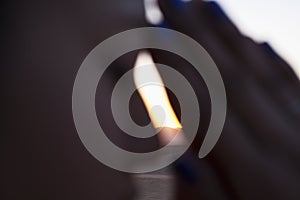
(153, 93)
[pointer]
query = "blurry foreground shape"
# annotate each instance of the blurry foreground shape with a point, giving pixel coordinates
(258, 154)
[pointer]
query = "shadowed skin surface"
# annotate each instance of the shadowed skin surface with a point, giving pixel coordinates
(43, 44)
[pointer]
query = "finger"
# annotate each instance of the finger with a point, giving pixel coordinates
(249, 172)
(275, 77)
(259, 61)
(233, 64)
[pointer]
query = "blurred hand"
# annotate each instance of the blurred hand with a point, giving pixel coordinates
(258, 154)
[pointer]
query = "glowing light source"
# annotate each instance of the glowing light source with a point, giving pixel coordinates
(153, 93)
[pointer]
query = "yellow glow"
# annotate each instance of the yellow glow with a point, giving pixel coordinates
(153, 93)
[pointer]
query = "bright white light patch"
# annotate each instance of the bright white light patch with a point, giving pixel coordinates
(152, 90)
(152, 12)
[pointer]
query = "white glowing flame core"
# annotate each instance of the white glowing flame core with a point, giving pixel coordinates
(153, 93)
